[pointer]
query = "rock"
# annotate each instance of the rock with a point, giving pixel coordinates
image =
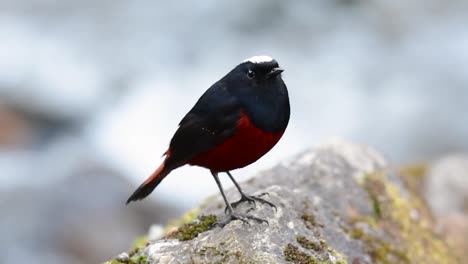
(123, 257)
(446, 191)
(447, 185)
(338, 203)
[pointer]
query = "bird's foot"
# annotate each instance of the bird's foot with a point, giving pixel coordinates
(242, 217)
(251, 200)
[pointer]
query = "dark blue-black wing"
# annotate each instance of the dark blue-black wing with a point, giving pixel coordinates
(209, 123)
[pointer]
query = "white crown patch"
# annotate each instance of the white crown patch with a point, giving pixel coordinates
(259, 59)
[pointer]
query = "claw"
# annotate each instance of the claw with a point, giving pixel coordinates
(242, 217)
(252, 200)
(245, 198)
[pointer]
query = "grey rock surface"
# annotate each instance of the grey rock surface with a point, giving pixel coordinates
(447, 185)
(329, 211)
(446, 191)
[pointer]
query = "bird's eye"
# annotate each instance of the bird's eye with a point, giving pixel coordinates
(251, 74)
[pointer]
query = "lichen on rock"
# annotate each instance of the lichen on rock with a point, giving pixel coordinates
(402, 228)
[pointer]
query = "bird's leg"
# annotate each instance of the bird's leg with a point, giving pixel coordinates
(231, 215)
(251, 199)
(229, 208)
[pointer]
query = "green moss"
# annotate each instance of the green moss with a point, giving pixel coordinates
(339, 258)
(401, 229)
(357, 233)
(138, 244)
(188, 217)
(135, 260)
(114, 261)
(138, 260)
(191, 230)
(379, 250)
(322, 253)
(417, 170)
(374, 188)
(323, 243)
(293, 254)
(306, 243)
(309, 220)
(414, 177)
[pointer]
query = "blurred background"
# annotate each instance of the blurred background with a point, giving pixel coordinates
(92, 91)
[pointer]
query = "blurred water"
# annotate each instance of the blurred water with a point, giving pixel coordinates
(112, 79)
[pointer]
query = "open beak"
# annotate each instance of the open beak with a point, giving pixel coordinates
(274, 72)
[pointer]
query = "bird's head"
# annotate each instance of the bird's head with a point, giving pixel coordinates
(260, 68)
(255, 71)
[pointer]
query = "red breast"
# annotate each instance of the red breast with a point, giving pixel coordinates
(246, 146)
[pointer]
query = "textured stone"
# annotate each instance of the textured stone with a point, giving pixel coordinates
(337, 203)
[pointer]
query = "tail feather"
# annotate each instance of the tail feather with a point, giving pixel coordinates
(148, 186)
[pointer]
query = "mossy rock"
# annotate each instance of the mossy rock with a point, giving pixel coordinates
(191, 230)
(338, 204)
(401, 229)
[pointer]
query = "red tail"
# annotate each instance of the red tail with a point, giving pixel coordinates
(148, 186)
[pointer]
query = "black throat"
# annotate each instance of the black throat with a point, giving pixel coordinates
(267, 105)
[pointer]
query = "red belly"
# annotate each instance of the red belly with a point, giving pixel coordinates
(245, 147)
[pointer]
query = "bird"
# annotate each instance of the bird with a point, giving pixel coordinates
(234, 123)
